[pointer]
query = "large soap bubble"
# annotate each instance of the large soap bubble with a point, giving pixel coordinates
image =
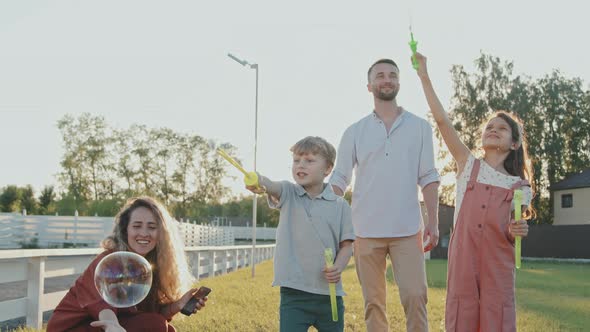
(123, 279)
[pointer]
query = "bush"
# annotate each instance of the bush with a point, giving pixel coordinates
(33, 243)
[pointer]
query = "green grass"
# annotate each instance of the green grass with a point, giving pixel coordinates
(553, 297)
(550, 297)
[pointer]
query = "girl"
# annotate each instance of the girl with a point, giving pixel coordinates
(480, 280)
(145, 227)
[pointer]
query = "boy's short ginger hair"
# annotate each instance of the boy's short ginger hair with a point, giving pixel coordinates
(315, 145)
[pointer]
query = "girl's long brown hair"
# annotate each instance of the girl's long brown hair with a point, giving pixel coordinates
(518, 163)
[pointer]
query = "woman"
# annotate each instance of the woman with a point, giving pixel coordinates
(145, 227)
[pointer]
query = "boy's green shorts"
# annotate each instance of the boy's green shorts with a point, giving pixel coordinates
(299, 310)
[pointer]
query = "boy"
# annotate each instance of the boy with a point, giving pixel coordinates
(312, 219)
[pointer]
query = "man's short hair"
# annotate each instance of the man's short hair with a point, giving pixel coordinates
(389, 61)
(315, 145)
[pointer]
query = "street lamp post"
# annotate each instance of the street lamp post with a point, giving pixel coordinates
(254, 204)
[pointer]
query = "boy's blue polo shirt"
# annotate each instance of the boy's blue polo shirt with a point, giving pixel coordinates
(307, 226)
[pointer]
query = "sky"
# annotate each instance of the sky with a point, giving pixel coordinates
(165, 64)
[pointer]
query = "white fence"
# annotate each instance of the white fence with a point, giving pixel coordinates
(200, 235)
(18, 231)
(34, 265)
(46, 231)
(245, 233)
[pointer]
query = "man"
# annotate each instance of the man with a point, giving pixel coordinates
(391, 151)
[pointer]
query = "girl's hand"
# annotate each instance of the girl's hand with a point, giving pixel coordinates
(186, 297)
(332, 273)
(422, 69)
(518, 228)
(108, 325)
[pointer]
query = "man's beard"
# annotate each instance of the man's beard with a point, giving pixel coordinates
(386, 96)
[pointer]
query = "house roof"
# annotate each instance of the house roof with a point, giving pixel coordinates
(579, 180)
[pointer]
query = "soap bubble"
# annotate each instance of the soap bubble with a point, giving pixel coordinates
(123, 279)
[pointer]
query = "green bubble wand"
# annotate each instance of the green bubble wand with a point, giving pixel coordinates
(414, 47)
(517, 217)
(329, 262)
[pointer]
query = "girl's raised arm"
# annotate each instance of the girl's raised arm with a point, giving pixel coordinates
(458, 150)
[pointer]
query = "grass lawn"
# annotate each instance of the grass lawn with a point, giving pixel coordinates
(550, 297)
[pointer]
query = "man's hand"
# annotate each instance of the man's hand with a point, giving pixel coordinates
(430, 233)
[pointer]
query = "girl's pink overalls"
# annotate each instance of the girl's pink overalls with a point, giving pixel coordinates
(480, 280)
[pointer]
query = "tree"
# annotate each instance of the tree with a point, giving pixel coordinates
(211, 171)
(85, 157)
(101, 167)
(10, 199)
(28, 200)
(124, 166)
(242, 206)
(144, 154)
(163, 141)
(562, 145)
(67, 205)
(73, 179)
(47, 200)
(185, 152)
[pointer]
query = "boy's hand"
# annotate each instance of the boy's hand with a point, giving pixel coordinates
(518, 228)
(257, 190)
(422, 69)
(332, 273)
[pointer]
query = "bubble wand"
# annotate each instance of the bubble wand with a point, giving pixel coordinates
(414, 47)
(517, 217)
(250, 178)
(329, 258)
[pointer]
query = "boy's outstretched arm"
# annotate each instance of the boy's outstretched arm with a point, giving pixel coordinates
(334, 272)
(458, 150)
(272, 188)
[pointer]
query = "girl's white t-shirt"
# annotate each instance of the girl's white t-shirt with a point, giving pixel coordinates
(487, 175)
